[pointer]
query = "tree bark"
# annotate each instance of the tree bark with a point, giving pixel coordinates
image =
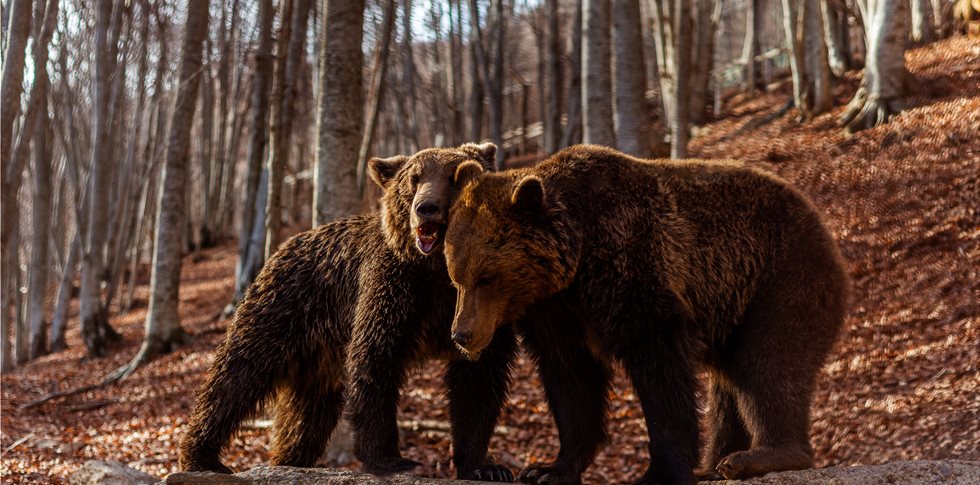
(408, 75)
(340, 111)
(886, 80)
(163, 330)
(261, 84)
(553, 92)
(634, 125)
(96, 332)
(835, 35)
(493, 83)
(376, 98)
(923, 29)
(59, 318)
(597, 99)
(673, 30)
(572, 133)
(817, 63)
(702, 59)
(281, 139)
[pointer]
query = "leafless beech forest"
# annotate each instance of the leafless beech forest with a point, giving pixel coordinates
(156, 152)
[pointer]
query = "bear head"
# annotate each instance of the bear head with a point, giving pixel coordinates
(508, 245)
(418, 192)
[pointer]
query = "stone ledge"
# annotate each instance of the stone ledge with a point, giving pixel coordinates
(895, 473)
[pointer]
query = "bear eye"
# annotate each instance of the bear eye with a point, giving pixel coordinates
(484, 281)
(415, 179)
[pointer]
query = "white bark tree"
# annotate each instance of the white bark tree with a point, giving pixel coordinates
(886, 80)
(340, 111)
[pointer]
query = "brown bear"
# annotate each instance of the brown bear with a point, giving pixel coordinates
(340, 312)
(671, 267)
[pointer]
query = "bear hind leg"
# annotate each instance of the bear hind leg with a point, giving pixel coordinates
(725, 430)
(305, 417)
(773, 373)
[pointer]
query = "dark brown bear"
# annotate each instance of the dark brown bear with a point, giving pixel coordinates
(360, 291)
(671, 265)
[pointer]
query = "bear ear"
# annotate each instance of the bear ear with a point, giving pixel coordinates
(467, 171)
(485, 153)
(384, 169)
(529, 195)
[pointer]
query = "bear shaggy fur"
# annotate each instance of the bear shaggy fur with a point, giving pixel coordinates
(358, 291)
(671, 266)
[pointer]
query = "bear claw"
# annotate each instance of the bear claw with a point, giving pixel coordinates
(492, 473)
(548, 475)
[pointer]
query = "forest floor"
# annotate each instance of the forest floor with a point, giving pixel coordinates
(903, 383)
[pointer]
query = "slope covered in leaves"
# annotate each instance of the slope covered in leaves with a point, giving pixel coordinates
(903, 383)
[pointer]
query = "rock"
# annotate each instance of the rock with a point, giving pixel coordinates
(109, 473)
(896, 473)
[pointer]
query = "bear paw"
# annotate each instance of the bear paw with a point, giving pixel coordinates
(731, 467)
(551, 475)
(209, 466)
(391, 465)
(489, 472)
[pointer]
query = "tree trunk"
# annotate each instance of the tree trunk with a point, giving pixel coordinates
(96, 332)
(41, 212)
(261, 84)
(281, 138)
(794, 42)
(376, 98)
(634, 125)
(835, 35)
(597, 99)
(886, 80)
(750, 46)
(13, 84)
(340, 112)
(163, 330)
(408, 75)
(493, 83)
(37, 284)
(553, 93)
(702, 59)
(673, 30)
(59, 318)
(922, 21)
(817, 64)
(573, 128)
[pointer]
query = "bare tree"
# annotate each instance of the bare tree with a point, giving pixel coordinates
(493, 82)
(376, 96)
(634, 125)
(597, 106)
(248, 264)
(41, 211)
(923, 29)
(673, 30)
(163, 330)
(573, 129)
(96, 332)
(339, 111)
(886, 80)
(284, 113)
(553, 93)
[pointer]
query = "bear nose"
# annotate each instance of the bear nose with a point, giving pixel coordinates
(462, 338)
(427, 209)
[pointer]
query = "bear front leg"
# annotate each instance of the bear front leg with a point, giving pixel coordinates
(576, 385)
(476, 392)
(380, 345)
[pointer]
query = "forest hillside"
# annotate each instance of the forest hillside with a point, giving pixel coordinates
(903, 383)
